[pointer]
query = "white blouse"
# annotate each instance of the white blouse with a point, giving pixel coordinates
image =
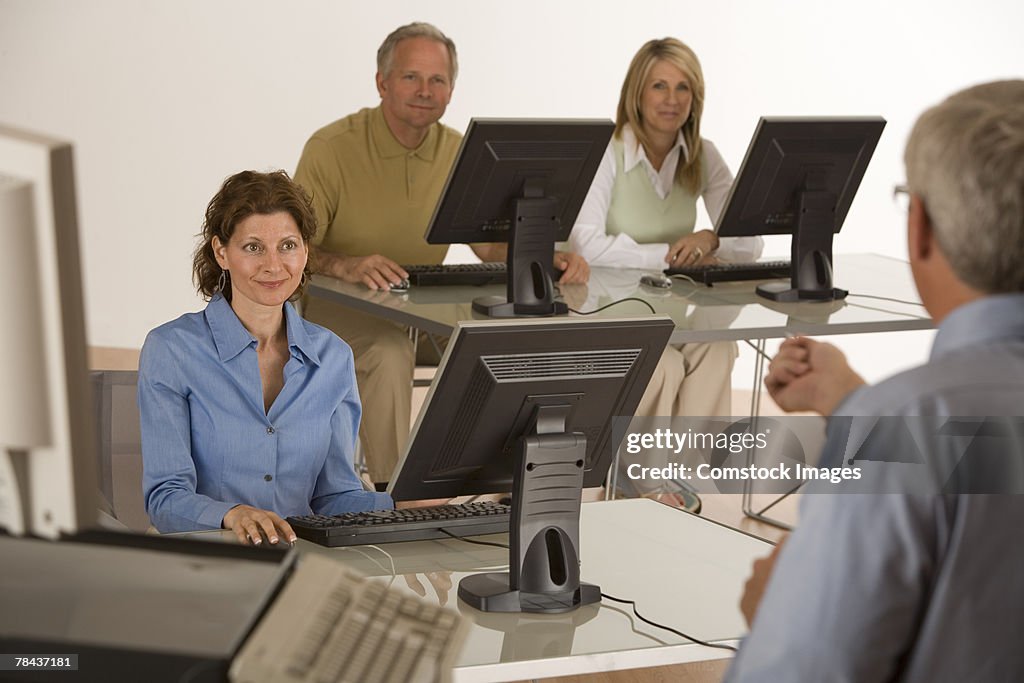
(590, 239)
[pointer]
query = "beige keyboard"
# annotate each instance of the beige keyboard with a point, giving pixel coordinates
(330, 625)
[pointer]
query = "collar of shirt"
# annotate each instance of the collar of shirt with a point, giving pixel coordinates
(633, 153)
(989, 319)
(231, 337)
(388, 146)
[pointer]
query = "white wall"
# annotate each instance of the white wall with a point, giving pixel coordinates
(165, 99)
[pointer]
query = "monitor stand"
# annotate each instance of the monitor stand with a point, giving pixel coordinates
(531, 250)
(544, 533)
(810, 253)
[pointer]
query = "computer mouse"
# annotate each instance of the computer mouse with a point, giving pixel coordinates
(656, 280)
(402, 286)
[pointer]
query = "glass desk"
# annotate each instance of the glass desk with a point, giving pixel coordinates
(726, 311)
(682, 570)
(882, 299)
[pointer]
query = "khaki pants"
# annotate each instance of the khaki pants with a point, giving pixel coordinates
(691, 380)
(384, 362)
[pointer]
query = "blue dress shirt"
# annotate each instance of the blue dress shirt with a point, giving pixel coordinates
(903, 585)
(207, 443)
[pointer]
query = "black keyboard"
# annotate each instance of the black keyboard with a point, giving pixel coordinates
(493, 273)
(412, 524)
(734, 272)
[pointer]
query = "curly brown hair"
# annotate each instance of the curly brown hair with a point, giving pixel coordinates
(242, 195)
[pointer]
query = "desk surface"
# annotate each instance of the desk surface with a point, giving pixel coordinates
(682, 570)
(726, 311)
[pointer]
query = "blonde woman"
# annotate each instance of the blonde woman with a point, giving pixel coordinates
(641, 212)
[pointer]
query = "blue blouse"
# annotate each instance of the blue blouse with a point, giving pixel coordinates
(208, 445)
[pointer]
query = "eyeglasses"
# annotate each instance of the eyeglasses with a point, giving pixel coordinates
(901, 195)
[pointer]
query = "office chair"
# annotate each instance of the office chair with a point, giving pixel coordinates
(119, 443)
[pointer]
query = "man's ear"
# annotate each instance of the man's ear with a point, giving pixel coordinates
(379, 78)
(920, 235)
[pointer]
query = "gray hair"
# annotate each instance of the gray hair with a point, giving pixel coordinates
(965, 160)
(417, 29)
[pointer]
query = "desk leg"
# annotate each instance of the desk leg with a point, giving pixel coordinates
(748, 485)
(612, 479)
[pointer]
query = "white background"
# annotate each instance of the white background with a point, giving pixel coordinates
(164, 99)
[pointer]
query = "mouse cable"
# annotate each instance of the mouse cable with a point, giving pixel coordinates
(616, 303)
(471, 540)
(614, 599)
(720, 646)
(886, 298)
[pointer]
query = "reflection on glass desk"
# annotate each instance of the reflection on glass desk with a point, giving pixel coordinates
(725, 311)
(682, 570)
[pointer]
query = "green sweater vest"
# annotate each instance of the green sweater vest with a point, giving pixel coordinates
(636, 209)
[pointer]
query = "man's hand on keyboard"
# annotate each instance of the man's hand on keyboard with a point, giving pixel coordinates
(251, 525)
(375, 271)
(693, 249)
(574, 267)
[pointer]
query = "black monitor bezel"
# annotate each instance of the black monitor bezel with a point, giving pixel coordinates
(731, 223)
(481, 132)
(406, 481)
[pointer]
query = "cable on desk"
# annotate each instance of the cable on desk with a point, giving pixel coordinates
(374, 560)
(680, 276)
(644, 619)
(882, 310)
(632, 623)
(887, 298)
(615, 303)
(470, 540)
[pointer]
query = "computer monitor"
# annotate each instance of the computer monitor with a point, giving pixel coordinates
(520, 181)
(799, 177)
(528, 407)
(48, 481)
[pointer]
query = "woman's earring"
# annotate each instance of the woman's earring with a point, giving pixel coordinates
(222, 281)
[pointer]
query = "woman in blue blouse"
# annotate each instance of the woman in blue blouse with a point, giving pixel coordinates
(249, 413)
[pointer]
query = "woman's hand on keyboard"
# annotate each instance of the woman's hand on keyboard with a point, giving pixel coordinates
(693, 249)
(251, 525)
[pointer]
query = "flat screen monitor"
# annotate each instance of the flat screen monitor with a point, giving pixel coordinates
(48, 481)
(798, 178)
(520, 181)
(529, 407)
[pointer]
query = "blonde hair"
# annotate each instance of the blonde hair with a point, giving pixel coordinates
(965, 160)
(678, 54)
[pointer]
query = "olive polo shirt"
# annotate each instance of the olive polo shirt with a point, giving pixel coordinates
(371, 194)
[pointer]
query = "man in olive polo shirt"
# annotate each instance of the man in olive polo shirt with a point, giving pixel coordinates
(375, 177)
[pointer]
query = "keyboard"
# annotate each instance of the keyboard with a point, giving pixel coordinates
(329, 624)
(493, 273)
(734, 272)
(412, 524)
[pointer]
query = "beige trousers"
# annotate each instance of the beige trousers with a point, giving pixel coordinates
(690, 380)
